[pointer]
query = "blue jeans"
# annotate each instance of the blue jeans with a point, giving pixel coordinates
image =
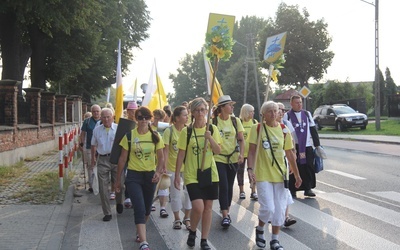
(141, 191)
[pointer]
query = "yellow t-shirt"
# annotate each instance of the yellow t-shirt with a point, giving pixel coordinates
(266, 167)
(143, 155)
(247, 126)
(228, 135)
(171, 142)
(194, 153)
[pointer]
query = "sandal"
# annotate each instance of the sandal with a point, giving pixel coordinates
(163, 213)
(186, 222)
(274, 245)
(137, 238)
(177, 224)
(260, 241)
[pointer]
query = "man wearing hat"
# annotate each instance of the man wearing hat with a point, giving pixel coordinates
(232, 153)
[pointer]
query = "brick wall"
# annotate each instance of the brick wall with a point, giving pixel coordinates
(33, 137)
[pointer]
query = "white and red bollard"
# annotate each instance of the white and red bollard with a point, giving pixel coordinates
(60, 161)
(66, 156)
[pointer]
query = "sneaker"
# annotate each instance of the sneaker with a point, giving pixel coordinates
(260, 240)
(242, 195)
(226, 222)
(289, 221)
(120, 208)
(112, 196)
(127, 203)
(274, 245)
(254, 196)
(144, 246)
(191, 241)
(204, 245)
(153, 208)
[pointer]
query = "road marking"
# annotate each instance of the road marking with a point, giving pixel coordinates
(340, 230)
(245, 221)
(346, 174)
(390, 195)
(360, 206)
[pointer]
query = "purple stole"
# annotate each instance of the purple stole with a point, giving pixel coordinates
(301, 132)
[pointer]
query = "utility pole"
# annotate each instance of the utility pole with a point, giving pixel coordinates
(377, 91)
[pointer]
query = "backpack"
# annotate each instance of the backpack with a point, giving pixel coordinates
(233, 119)
(282, 127)
(254, 121)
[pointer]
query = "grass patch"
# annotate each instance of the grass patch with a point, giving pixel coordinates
(388, 127)
(43, 188)
(8, 173)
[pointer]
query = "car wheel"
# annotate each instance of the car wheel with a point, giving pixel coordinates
(340, 127)
(317, 126)
(363, 127)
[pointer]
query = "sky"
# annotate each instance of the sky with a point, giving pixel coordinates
(179, 26)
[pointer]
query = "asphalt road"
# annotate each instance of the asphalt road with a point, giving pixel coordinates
(357, 207)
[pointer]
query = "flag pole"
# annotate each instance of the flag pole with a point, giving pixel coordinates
(210, 103)
(271, 68)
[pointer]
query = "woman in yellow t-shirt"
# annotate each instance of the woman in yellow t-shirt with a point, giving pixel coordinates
(202, 191)
(179, 119)
(145, 165)
(232, 150)
(247, 118)
(270, 171)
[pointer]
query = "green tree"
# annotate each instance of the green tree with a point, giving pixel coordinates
(390, 89)
(233, 85)
(336, 91)
(306, 49)
(70, 43)
(190, 81)
(317, 95)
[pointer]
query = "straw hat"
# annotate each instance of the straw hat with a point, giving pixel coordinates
(132, 105)
(164, 182)
(225, 99)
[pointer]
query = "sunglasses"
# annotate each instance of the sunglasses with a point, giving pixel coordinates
(142, 118)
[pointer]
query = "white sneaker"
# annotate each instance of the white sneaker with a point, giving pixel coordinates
(127, 203)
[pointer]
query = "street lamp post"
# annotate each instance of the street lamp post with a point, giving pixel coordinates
(246, 63)
(249, 38)
(377, 75)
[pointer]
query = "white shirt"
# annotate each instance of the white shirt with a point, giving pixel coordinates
(103, 139)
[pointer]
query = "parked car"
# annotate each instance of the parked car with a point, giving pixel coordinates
(339, 116)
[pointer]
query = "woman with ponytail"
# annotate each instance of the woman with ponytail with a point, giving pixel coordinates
(144, 147)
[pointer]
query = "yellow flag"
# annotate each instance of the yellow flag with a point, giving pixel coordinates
(210, 72)
(119, 99)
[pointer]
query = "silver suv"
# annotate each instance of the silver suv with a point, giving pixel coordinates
(339, 116)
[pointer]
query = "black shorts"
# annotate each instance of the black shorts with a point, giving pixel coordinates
(208, 193)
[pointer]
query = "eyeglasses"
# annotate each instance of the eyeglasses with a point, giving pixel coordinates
(200, 110)
(142, 118)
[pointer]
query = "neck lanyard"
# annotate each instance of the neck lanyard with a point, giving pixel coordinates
(198, 148)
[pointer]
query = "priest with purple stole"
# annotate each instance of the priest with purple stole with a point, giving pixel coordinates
(306, 137)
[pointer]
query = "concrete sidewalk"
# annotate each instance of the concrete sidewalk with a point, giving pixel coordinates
(26, 226)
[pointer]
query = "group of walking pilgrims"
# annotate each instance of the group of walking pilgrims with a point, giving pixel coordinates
(202, 163)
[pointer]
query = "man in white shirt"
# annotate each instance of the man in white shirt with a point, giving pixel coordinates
(102, 142)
